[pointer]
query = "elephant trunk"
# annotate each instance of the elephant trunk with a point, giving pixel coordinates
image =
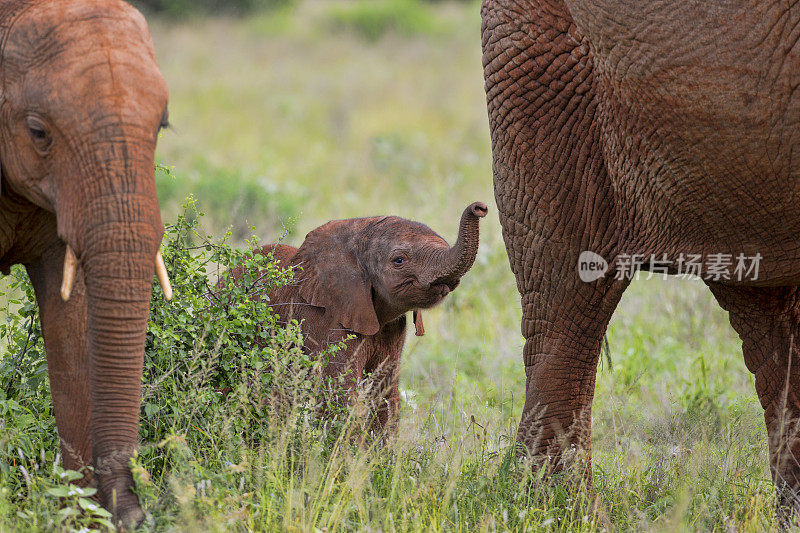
(458, 260)
(118, 253)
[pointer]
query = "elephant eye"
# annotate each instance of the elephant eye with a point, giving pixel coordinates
(39, 136)
(398, 261)
(37, 133)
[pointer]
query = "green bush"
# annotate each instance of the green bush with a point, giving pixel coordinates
(221, 378)
(27, 426)
(374, 18)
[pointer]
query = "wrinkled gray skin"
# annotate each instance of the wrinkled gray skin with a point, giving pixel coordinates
(655, 128)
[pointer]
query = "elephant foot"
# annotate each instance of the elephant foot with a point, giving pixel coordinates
(569, 473)
(116, 494)
(128, 514)
(787, 508)
(571, 468)
(130, 520)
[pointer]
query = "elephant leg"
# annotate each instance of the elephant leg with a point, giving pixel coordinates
(564, 322)
(64, 332)
(385, 398)
(768, 322)
(555, 201)
(341, 374)
(384, 365)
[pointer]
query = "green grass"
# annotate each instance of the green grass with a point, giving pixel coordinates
(293, 118)
(372, 20)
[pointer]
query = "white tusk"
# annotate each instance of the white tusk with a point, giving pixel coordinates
(70, 265)
(163, 278)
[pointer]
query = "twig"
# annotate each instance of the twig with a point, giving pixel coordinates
(21, 355)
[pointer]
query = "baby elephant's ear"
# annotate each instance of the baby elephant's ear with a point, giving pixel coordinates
(333, 279)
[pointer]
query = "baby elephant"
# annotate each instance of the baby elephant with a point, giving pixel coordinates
(360, 277)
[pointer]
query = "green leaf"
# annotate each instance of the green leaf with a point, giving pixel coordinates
(93, 507)
(59, 492)
(105, 523)
(88, 491)
(150, 409)
(67, 511)
(70, 475)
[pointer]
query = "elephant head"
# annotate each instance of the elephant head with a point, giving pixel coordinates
(367, 272)
(81, 104)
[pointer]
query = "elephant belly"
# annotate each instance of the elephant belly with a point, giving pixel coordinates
(700, 121)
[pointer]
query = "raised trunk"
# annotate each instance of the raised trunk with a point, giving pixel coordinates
(458, 260)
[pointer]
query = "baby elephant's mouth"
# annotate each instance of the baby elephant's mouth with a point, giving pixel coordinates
(440, 290)
(430, 295)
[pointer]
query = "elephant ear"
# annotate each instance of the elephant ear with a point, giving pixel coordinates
(333, 278)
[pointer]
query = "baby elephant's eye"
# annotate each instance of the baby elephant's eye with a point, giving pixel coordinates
(398, 260)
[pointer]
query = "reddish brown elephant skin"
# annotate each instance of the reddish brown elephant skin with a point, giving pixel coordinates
(81, 104)
(352, 283)
(652, 128)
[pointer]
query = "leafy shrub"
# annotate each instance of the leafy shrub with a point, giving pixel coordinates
(25, 407)
(215, 354)
(220, 375)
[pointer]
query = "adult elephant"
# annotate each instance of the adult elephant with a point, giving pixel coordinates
(654, 130)
(81, 104)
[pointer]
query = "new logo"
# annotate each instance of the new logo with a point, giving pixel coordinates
(591, 266)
